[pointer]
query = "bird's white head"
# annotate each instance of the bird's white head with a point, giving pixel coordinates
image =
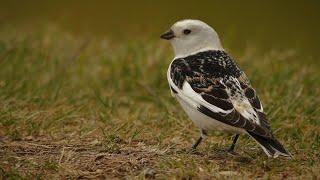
(192, 36)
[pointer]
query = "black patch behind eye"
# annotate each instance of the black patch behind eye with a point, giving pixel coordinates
(186, 31)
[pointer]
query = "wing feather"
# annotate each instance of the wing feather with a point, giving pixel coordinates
(228, 99)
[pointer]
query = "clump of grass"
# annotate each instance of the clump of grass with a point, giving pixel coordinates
(55, 87)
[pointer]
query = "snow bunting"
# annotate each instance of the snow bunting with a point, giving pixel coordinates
(212, 89)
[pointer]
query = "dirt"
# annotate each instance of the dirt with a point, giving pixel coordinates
(82, 159)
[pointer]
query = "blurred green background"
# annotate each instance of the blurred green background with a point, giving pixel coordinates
(266, 25)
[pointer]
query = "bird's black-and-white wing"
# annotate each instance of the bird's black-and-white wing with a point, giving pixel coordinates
(211, 82)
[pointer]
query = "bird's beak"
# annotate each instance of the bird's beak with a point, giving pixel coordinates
(168, 35)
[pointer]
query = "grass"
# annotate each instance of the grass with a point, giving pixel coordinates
(72, 107)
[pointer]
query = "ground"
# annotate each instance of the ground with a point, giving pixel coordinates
(74, 107)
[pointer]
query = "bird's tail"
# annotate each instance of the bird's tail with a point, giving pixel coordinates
(271, 146)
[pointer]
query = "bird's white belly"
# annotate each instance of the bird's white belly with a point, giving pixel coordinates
(204, 122)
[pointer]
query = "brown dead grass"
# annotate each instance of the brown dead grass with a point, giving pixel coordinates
(83, 159)
(92, 159)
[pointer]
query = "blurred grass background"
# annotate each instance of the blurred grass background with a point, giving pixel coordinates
(94, 74)
(270, 24)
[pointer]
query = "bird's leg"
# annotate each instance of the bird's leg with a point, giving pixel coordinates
(195, 145)
(202, 136)
(234, 141)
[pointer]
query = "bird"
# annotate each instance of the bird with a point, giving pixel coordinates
(213, 91)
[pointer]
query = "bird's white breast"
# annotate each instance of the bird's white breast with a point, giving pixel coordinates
(204, 122)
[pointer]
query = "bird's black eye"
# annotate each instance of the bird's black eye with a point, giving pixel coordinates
(186, 31)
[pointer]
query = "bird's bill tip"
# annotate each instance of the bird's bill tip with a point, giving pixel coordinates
(168, 35)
